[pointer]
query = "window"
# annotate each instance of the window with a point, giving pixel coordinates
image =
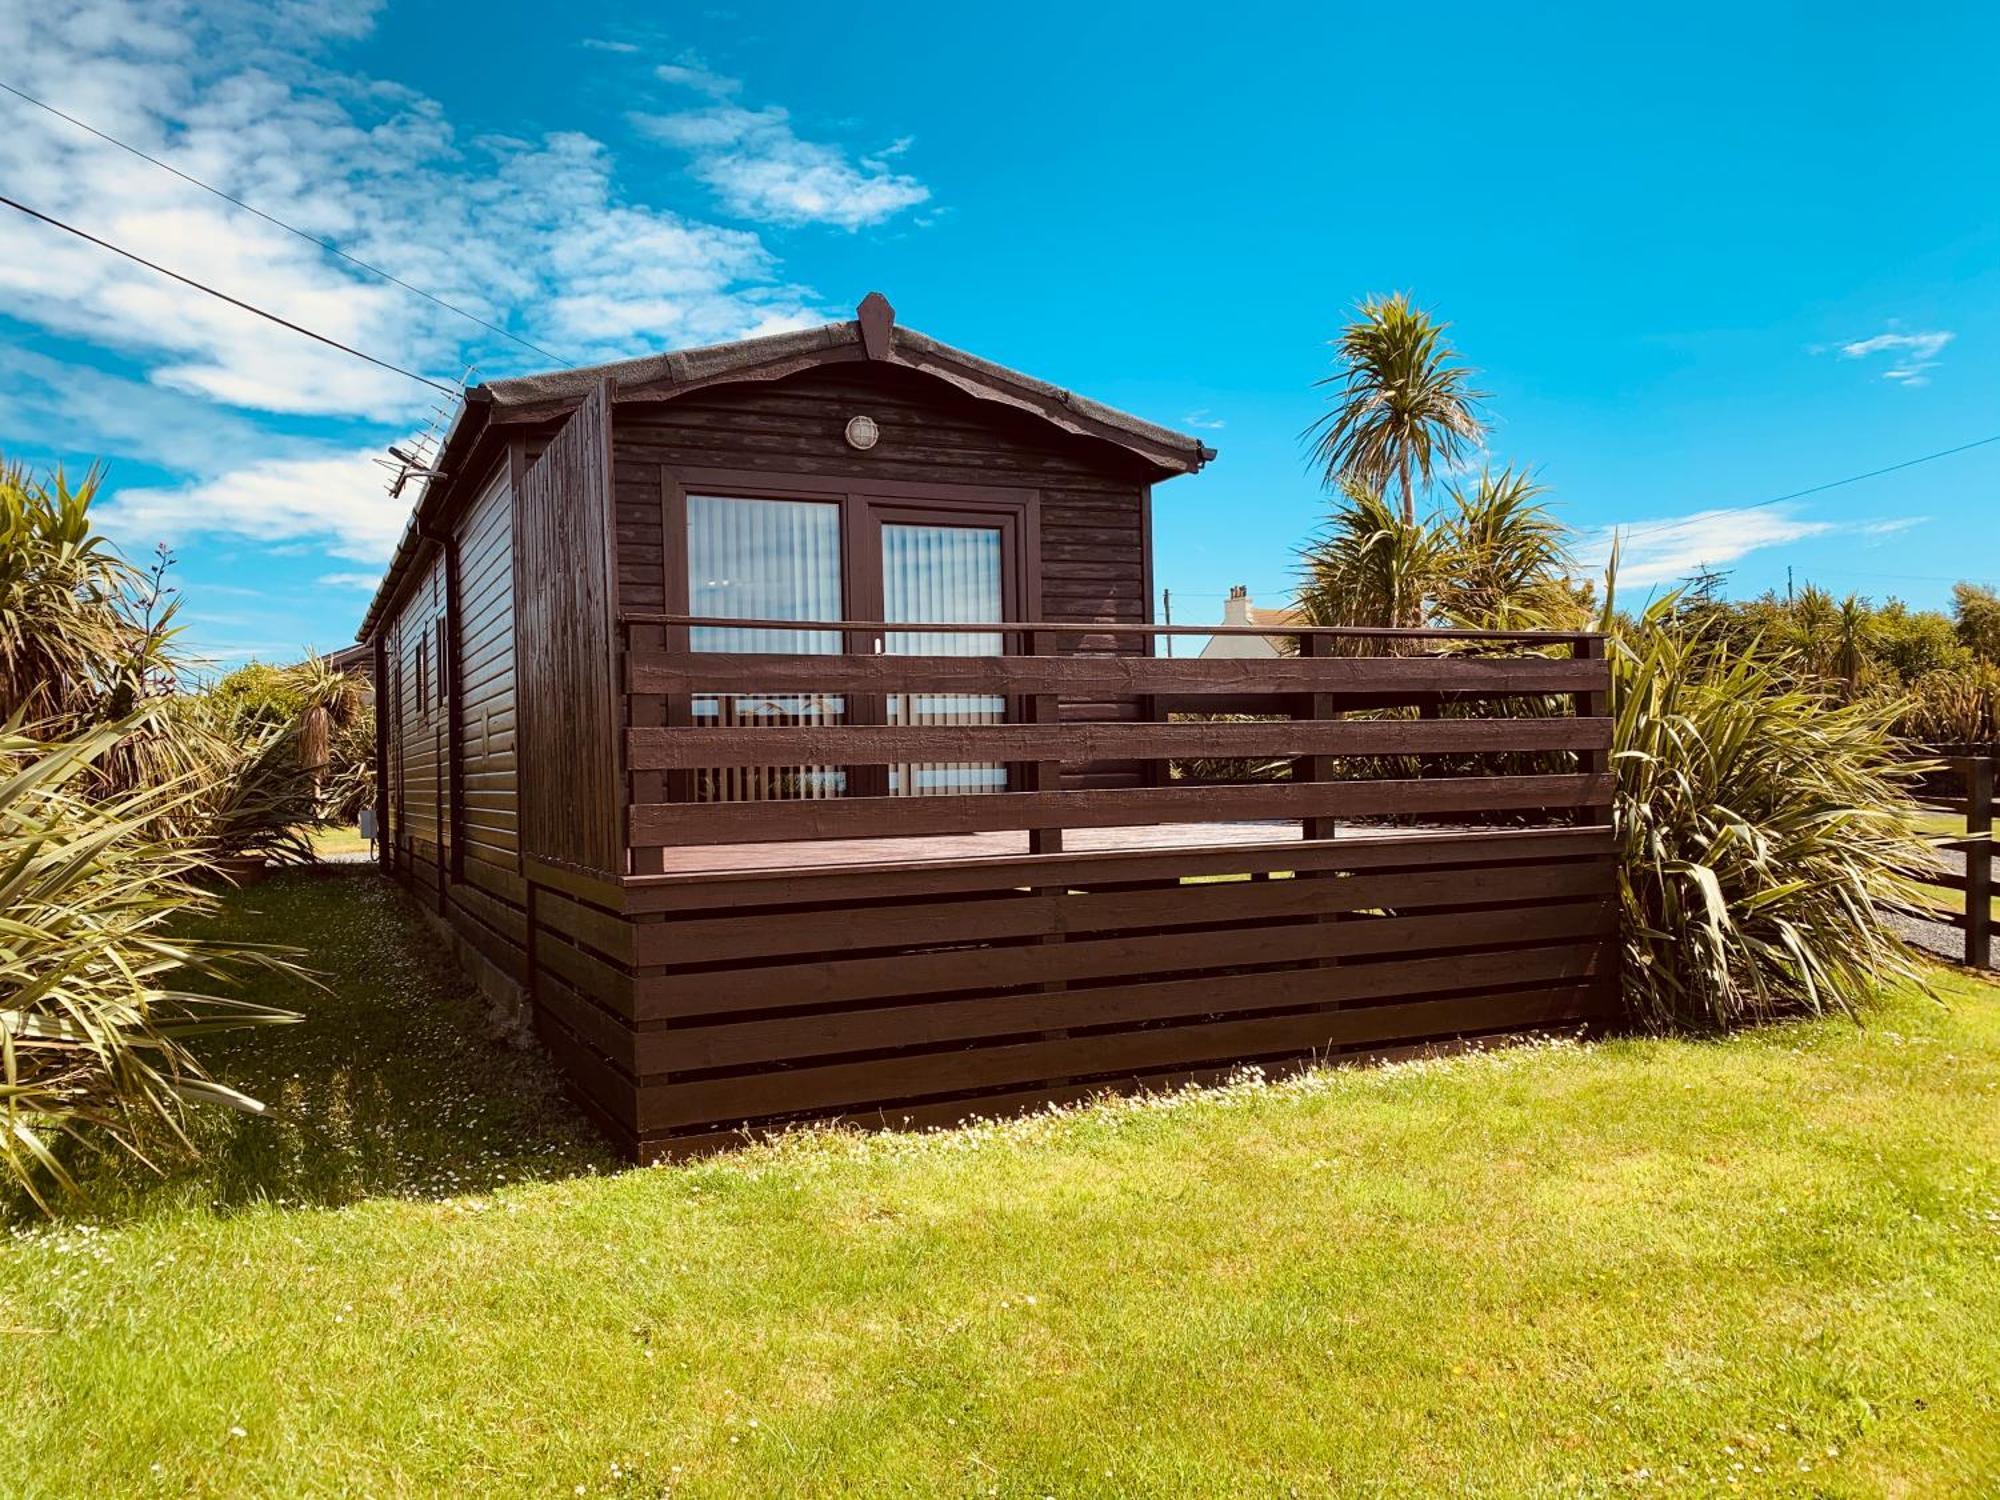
(443, 628)
(944, 562)
(943, 575)
(765, 560)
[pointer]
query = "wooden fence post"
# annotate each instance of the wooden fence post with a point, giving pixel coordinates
(1317, 707)
(1979, 862)
(1592, 705)
(1043, 775)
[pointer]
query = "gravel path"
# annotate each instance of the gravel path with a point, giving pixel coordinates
(1939, 938)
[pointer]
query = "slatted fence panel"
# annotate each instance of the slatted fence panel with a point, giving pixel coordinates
(773, 1008)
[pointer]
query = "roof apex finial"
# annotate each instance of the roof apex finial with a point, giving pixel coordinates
(877, 318)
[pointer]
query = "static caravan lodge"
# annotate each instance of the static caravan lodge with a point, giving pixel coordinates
(780, 726)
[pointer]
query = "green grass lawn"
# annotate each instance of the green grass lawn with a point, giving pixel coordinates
(329, 842)
(1770, 1265)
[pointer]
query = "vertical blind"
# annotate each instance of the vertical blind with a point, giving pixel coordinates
(765, 560)
(943, 575)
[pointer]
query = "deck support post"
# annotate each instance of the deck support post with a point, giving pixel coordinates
(1042, 775)
(1046, 776)
(1318, 706)
(1591, 705)
(645, 711)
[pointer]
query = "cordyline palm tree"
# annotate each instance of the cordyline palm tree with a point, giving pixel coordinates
(1493, 558)
(1815, 624)
(101, 988)
(1851, 633)
(1370, 566)
(1402, 407)
(1510, 562)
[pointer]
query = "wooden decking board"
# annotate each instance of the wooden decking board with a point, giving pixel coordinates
(885, 744)
(750, 990)
(765, 875)
(1104, 676)
(1050, 912)
(667, 1105)
(934, 1023)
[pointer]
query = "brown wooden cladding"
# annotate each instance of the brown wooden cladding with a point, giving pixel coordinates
(1091, 497)
(419, 794)
(871, 1007)
(487, 718)
(1084, 530)
(569, 720)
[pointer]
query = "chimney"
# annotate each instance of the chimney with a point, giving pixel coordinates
(1237, 610)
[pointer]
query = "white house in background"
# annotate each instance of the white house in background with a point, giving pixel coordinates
(1240, 611)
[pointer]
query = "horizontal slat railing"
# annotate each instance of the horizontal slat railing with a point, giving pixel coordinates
(1111, 676)
(892, 817)
(884, 744)
(1071, 628)
(1546, 757)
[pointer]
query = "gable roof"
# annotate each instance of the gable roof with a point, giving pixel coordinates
(872, 335)
(774, 356)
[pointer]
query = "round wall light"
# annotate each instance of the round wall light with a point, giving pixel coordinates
(862, 433)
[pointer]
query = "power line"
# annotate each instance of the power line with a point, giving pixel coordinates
(224, 296)
(1832, 484)
(309, 237)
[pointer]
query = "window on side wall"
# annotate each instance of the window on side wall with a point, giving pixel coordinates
(443, 661)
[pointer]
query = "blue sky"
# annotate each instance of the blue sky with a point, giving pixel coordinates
(1698, 263)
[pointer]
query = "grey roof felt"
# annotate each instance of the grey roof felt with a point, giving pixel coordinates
(907, 347)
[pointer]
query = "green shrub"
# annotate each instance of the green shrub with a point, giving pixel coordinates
(83, 636)
(1954, 707)
(1759, 831)
(95, 1017)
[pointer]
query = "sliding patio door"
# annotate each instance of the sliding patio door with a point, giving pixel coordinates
(944, 574)
(765, 561)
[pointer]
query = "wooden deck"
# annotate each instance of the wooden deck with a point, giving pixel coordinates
(1441, 821)
(817, 855)
(822, 854)
(1441, 813)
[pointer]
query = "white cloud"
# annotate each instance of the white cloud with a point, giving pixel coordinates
(365, 582)
(1663, 550)
(1666, 550)
(88, 413)
(1200, 418)
(1912, 355)
(335, 501)
(537, 236)
(691, 74)
(1891, 527)
(764, 171)
(270, 436)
